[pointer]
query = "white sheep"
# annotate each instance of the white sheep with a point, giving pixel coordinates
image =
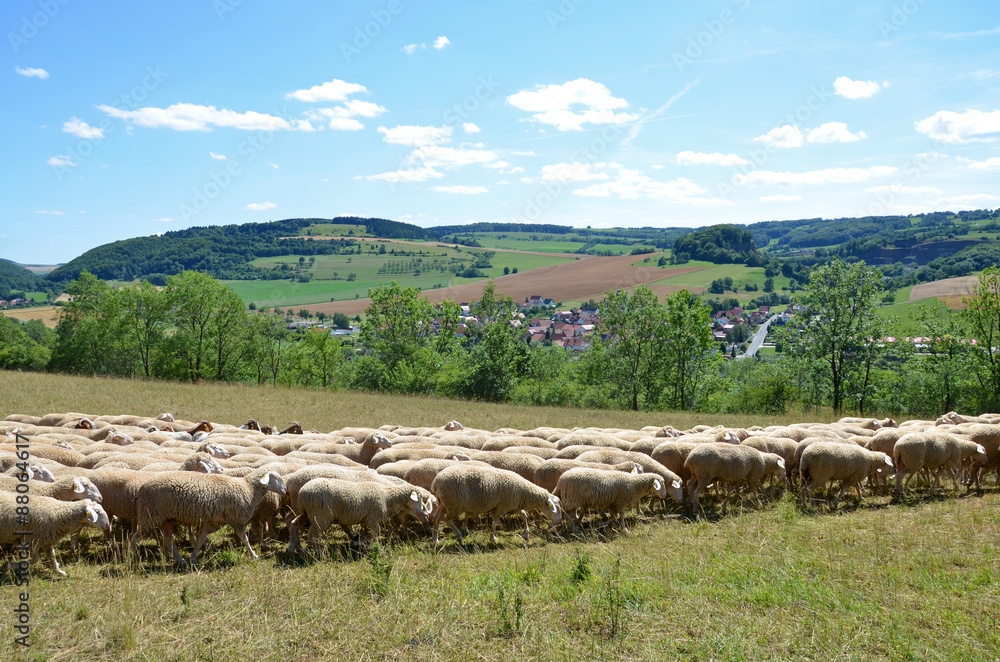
(936, 452)
(824, 461)
(326, 501)
(729, 464)
(208, 501)
(493, 493)
(613, 491)
(49, 521)
(66, 488)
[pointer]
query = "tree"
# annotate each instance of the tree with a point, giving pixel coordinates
(395, 329)
(686, 347)
(500, 358)
(506, 271)
(769, 284)
(626, 363)
(325, 356)
(842, 333)
(145, 309)
(341, 321)
(86, 332)
(983, 317)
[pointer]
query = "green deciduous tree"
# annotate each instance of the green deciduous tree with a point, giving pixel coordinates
(982, 315)
(500, 357)
(686, 342)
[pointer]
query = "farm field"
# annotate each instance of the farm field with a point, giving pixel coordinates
(47, 314)
(546, 243)
(953, 287)
(573, 281)
(770, 581)
(698, 281)
(366, 267)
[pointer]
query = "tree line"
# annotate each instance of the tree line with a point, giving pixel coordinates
(646, 354)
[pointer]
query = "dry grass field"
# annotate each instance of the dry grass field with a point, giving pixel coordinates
(913, 580)
(47, 314)
(949, 288)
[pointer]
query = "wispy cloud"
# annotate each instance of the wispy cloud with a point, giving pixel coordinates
(814, 177)
(51, 212)
(700, 158)
(782, 137)
(32, 73)
(217, 157)
(834, 132)
(335, 90)
(260, 206)
(81, 129)
(967, 35)
(192, 117)
(461, 190)
(970, 126)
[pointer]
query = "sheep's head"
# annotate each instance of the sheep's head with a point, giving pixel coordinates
(884, 462)
(84, 489)
(416, 507)
(453, 426)
(659, 487)
(553, 509)
(84, 424)
(97, 517)
(38, 472)
(209, 465)
(293, 428)
(64, 444)
(381, 442)
(202, 426)
(273, 482)
(675, 490)
(166, 416)
(119, 439)
(251, 425)
(980, 456)
(214, 450)
(461, 457)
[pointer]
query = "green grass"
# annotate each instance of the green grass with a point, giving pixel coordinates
(521, 241)
(330, 272)
(335, 230)
(37, 296)
(919, 580)
(740, 274)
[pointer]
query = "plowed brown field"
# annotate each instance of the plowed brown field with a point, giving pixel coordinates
(45, 313)
(572, 281)
(949, 287)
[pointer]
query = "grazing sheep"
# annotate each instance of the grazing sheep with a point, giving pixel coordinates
(66, 488)
(423, 472)
(729, 464)
(784, 447)
(208, 501)
(648, 464)
(987, 436)
(65, 456)
(327, 501)
(51, 520)
(474, 490)
(548, 472)
(361, 453)
(522, 465)
(544, 453)
(936, 452)
(592, 438)
(397, 454)
(295, 481)
(824, 461)
(613, 491)
(672, 454)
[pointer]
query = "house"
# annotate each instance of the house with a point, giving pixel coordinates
(534, 300)
(764, 310)
(550, 303)
(537, 337)
(720, 336)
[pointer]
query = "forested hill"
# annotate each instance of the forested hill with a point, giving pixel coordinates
(721, 244)
(224, 251)
(15, 278)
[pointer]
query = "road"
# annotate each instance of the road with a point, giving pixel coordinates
(758, 339)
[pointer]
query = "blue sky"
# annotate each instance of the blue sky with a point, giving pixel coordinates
(138, 119)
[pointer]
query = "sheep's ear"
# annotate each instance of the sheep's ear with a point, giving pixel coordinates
(888, 462)
(78, 486)
(657, 485)
(552, 504)
(414, 497)
(265, 479)
(92, 515)
(676, 484)
(781, 463)
(30, 472)
(980, 449)
(635, 470)
(204, 466)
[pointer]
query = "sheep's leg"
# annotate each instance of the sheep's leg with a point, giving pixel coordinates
(55, 564)
(840, 495)
(493, 529)
(526, 532)
(241, 531)
(314, 541)
(202, 536)
(900, 474)
(694, 492)
(293, 533)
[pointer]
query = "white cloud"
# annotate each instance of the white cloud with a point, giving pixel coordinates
(61, 161)
(81, 129)
(217, 157)
(416, 136)
(966, 201)
(715, 158)
(410, 48)
(856, 89)
(451, 157)
(469, 127)
(441, 42)
(260, 206)
(553, 105)
(406, 175)
(631, 184)
(165, 219)
(52, 212)
(903, 190)
(970, 126)
(192, 117)
(461, 190)
(658, 166)
(989, 164)
(576, 172)
(782, 137)
(834, 132)
(335, 90)
(32, 73)
(341, 118)
(813, 177)
(780, 198)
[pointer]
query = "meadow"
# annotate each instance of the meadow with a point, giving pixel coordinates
(913, 580)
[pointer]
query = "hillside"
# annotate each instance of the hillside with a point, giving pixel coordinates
(15, 278)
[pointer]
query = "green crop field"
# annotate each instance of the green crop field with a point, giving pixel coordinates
(740, 274)
(522, 241)
(329, 273)
(335, 230)
(917, 579)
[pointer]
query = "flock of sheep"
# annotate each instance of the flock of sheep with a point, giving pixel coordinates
(62, 472)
